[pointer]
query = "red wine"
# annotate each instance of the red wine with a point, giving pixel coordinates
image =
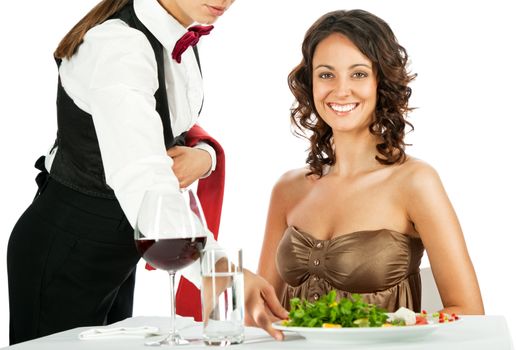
(170, 254)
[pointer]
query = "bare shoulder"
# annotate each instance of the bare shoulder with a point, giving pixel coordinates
(293, 177)
(417, 175)
(292, 183)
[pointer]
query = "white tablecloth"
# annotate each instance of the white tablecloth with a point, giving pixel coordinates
(473, 333)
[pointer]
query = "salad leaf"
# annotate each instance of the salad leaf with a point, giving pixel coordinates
(352, 312)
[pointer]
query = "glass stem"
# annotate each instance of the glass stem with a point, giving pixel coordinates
(172, 275)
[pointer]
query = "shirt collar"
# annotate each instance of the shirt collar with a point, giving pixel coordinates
(159, 22)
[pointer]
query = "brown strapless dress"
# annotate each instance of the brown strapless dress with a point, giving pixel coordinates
(381, 265)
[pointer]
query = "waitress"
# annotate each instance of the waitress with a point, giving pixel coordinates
(129, 90)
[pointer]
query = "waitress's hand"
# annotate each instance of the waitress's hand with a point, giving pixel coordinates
(262, 307)
(189, 164)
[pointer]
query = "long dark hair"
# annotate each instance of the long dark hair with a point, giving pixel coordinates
(101, 12)
(375, 39)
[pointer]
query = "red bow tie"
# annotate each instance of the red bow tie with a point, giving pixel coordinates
(190, 38)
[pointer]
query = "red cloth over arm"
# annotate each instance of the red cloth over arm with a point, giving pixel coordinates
(210, 191)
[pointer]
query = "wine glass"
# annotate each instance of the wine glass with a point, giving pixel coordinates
(169, 235)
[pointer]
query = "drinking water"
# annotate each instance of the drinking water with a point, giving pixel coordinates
(223, 308)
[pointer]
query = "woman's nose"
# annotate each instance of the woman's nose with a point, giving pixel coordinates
(343, 88)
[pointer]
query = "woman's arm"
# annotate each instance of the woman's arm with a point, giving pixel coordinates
(274, 229)
(435, 220)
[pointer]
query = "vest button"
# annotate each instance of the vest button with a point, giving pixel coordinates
(316, 296)
(317, 262)
(319, 245)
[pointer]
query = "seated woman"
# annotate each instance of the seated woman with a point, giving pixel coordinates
(359, 216)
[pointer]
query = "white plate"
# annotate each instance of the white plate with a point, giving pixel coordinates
(365, 334)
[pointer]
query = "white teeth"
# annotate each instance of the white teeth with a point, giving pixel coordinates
(343, 108)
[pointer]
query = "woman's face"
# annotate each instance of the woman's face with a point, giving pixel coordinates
(200, 11)
(344, 84)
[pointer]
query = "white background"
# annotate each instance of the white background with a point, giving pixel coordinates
(463, 53)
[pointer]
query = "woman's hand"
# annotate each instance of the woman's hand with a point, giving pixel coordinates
(262, 307)
(189, 164)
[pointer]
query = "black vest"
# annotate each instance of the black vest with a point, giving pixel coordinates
(78, 163)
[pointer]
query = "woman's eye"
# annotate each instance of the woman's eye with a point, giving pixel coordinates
(359, 75)
(325, 75)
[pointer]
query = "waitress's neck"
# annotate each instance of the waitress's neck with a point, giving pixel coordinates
(175, 11)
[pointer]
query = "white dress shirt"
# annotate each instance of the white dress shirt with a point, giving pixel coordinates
(113, 77)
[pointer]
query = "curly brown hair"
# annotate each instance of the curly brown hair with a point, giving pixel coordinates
(375, 39)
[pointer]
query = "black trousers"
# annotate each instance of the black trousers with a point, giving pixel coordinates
(71, 262)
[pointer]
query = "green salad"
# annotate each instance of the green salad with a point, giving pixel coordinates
(328, 312)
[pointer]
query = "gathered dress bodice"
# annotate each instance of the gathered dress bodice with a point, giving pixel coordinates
(381, 265)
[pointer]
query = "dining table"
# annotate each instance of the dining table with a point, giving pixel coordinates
(489, 332)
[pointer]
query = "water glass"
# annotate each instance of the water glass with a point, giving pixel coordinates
(222, 294)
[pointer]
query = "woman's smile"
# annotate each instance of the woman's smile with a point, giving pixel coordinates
(342, 109)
